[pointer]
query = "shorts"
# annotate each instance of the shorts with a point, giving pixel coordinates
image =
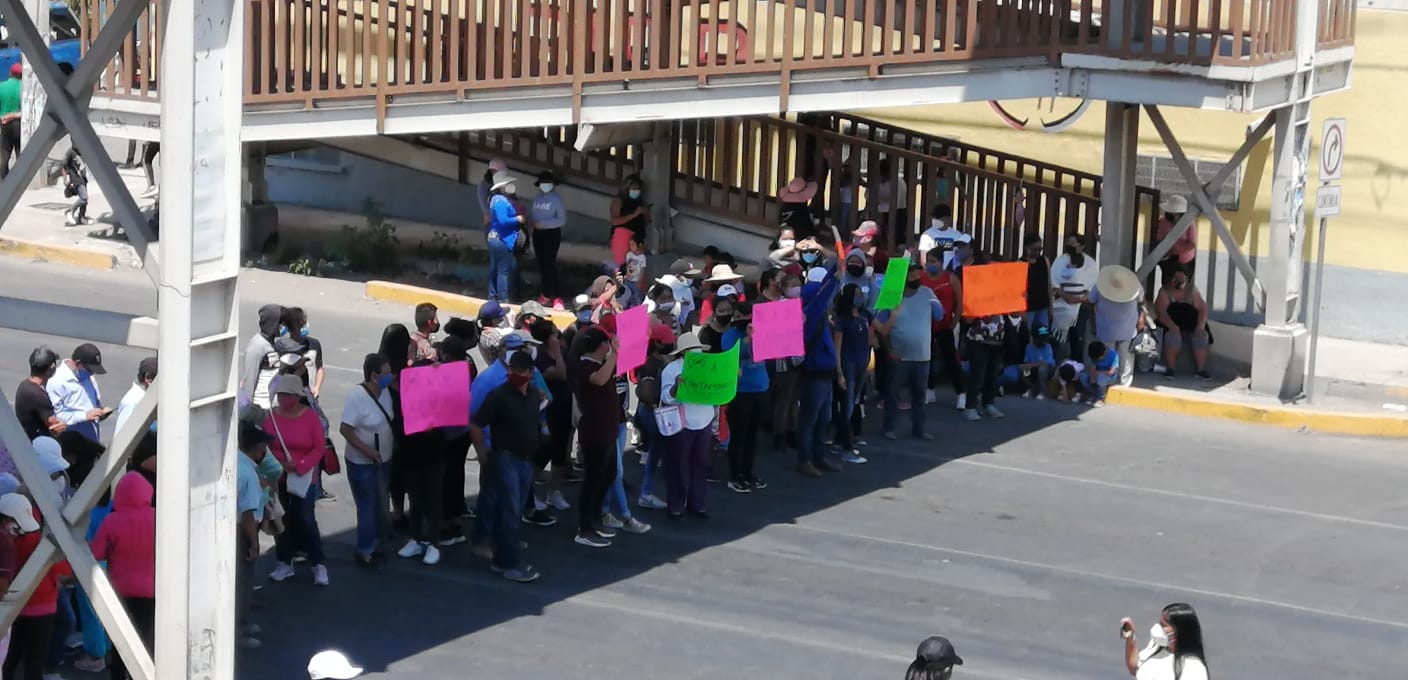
(1174, 340)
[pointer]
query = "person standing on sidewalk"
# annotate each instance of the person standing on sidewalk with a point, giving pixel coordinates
(594, 386)
(548, 216)
(820, 370)
(74, 393)
(10, 101)
(505, 228)
(910, 328)
(366, 427)
(76, 185)
(511, 411)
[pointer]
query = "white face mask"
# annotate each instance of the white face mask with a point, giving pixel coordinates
(938, 223)
(794, 292)
(666, 306)
(1158, 636)
(546, 186)
(786, 243)
(870, 271)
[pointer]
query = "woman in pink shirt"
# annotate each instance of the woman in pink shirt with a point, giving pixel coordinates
(1180, 257)
(127, 541)
(299, 444)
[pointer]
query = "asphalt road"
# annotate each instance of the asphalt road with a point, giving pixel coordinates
(1024, 541)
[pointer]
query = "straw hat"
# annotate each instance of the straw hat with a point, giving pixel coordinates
(723, 273)
(798, 190)
(502, 180)
(1118, 284)
(686, 343)
(1175, 203)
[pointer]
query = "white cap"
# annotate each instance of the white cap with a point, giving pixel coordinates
(332, 665)
(50, 454)
(727, 290)
(17, 508)
(816, 275)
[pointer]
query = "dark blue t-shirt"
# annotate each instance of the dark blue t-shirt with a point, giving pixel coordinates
(855, 338)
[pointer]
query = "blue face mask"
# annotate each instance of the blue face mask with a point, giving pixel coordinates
(303, 332)
(83, 374)
(283, 330)
(385, 381)
(634, 193)
(809, 258)
(933, 269)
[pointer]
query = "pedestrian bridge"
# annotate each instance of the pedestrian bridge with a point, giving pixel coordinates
(334, 68)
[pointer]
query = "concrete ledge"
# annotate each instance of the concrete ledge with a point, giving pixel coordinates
(460, 305)
(76, 256)
(1324, 422)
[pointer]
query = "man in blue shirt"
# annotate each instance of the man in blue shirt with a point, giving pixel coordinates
(746, 411)
(1039, 363)
(77, 402)
(819, 370)
(910, 329)
(497, 353)
(1103, 371)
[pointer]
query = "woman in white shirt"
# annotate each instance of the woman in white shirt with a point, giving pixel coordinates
(1073, 275)
(366, 425)
(687, 452)
(1175, 649)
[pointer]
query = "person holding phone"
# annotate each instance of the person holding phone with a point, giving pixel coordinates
(78, 404)
(1175, 648)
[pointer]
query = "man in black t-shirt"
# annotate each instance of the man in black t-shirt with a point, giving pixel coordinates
(510, 412)
(32, 405)
(296, 322)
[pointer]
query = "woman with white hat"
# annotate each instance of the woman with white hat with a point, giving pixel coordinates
(687, 451)
(1117, 314)
(505, 229)
(1185, 249)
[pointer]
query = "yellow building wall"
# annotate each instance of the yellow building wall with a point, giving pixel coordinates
(1372, 231)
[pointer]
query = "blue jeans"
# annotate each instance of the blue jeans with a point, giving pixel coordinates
(502, 266)
(653, 442)
(814, 417)
(514, 481)
(616, 494)
(1095, 384)
(912, 377)
(368, 482)
(486, 504)
(300, 526)
(95, 639)
(855, 375)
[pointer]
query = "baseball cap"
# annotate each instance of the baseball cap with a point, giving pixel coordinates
(1042, 332)
(286, 384)
(727, 290)
(866, 229)
(520, 361)
(332, 665)
(938, 651)
(517, 339)
(88, 355)
(662, 334)
(17, 508)
(16, 69)
(490, 311)
(532, 308)
(685, 267)
(50, 455)
(581, 302)
(146, 368)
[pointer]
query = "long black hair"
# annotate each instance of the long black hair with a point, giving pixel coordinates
(1187, 635)
(846, 300)
(396, 346)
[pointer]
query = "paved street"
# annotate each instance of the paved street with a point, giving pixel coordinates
(1024, 541)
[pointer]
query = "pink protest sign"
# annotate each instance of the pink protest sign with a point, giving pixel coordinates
(633, 332)
(777, 330)
(435, 396)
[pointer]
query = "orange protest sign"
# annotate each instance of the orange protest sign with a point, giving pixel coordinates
(992, 289)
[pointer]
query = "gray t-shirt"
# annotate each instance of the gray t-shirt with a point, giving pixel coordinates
(913, 329)
(1114, 321)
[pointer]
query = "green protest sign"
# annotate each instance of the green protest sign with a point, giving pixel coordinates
(892, 288)
(710, 379)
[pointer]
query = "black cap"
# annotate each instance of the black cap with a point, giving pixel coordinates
(146, 369)
(286, 345)
(520, 361)
(545, 177)
(251, 436)
(938, 651)
(88, 355)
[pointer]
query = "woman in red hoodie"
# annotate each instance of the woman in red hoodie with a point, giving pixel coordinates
(127, 540)
(30, 635)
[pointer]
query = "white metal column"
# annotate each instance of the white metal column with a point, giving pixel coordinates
(1117, 208)
(201, 107)
(33, 101)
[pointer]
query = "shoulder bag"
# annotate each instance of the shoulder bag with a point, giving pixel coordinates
(296, 484)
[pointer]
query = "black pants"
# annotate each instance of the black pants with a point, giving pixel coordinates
(29, 647)
(745, 418)
(599, 472)
(546, 243)
(984, 368)
(556, 448)
(425, 489)
(149, 153)
(452, 503)
(948, 354)
(143, 613)
(9, 144)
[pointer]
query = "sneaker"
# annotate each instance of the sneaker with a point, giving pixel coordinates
(483, 551)
(929, 397)
(558, 502)
(971, 414)
(991, 411)
(591, 541)
(540, 518)
(610, 522)
(557, 305)
(93, 664)
(1097, 403)
(453, 540)
(699, 514)
(320, 574)
(70, 220)
(962, 402)
(523, 574)
(411, 549)
(1040, 396)
(808, 470)
(635, 526)
(244, 643)
(903, 406)
(853, 457)
(757, 484)
(432, 555)
(1204, 376)
(739, 486)
(605, 532)
(73, 641)
(1169, 374)
(283, 572)
(650, 502)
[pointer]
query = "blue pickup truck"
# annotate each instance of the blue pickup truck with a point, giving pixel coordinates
(65, 42)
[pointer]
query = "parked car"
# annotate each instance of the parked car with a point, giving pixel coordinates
(65, 42)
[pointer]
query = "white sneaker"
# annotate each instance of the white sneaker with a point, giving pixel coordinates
(650, 502)
(411, 549)
(282, 572)
(610, 522)
(635, 526)
(432, 555)
(929, 397)
(991, 412)
(962, 402)
(971, 414)
(70, 220)
(320, 575)
(557, 501)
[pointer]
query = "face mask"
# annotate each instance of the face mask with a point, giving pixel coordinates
(724, 319)
(855, 270)
(634, 193)
(937, 223)
(283, 330)
(83, 373)
(518, 379)
(933, 269)
(809, 258)
(384, 381)
(742, 324)
(1158, 636)
(786, 243)
(794, 292)
(510, 190)
(911, 285)
(303, 332)
(869, 271)
(288, 401)
(1071, 250)
(666, 306)
(546, 186)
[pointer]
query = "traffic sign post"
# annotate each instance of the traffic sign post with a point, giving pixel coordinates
(1327, 205)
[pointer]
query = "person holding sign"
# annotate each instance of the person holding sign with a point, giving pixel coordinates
(687, 450)
(909, 327)
(821, 371)
(748, 405)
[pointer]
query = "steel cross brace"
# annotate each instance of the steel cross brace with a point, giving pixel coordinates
(66, 525)
(68, 98)
(1199, 192)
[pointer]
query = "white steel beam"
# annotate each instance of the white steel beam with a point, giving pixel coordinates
(97, 325)
(1117, 214)
(202, 89)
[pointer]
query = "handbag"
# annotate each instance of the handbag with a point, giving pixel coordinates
(670, 420)
(331, 464)
(296, 484)
(273, 523)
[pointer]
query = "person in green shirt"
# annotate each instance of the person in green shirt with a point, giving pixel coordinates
(10, 118)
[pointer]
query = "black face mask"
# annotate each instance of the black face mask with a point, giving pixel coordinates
(911, 285)
(724, 319)
(742, 324)
(855, 269)
(1072, 250)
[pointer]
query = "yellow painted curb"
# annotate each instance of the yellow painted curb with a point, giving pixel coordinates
(70, 255)
(410, 296)
(1325, 422)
